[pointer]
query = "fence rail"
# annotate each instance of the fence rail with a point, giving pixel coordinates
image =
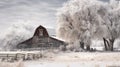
(15, 56)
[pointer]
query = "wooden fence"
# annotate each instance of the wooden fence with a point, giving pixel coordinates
(15, 56)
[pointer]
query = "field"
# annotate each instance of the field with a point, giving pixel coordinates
(70, 59)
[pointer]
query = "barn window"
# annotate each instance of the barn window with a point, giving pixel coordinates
(40, 32)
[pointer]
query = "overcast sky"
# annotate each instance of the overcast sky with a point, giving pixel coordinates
(36, 12)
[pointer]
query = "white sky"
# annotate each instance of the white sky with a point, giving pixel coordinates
(36, 12)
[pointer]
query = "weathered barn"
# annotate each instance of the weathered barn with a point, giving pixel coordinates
(41, 39)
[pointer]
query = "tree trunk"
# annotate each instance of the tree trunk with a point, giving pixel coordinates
(106, 48)
(108, 44)
(88, 47)
(82, 45)
(111, 43)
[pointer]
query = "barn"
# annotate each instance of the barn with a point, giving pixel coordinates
(41, 39)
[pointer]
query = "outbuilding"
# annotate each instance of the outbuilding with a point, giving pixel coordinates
(41, 39)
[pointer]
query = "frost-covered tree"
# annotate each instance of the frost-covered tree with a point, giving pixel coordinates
(78, 20)
(15, 34)
(112, 23)
(84, 20)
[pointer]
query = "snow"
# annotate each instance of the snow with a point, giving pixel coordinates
(14, 52)
(79, 59)
(72, 64)
(70, 59)
(67, 56)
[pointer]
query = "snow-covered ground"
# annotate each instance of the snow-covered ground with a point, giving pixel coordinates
(79, 59)
(73, 64)
(74, 59)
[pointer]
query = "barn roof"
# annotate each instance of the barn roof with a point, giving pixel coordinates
(45, 33)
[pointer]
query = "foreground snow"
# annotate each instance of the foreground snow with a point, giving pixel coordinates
(73, 59)
(79, 59)
(72, 64)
